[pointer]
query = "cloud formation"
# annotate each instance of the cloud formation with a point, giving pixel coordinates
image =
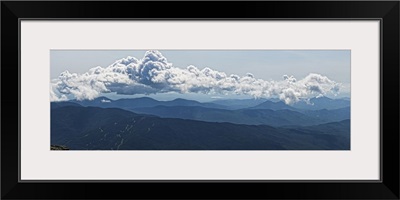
(154, 74)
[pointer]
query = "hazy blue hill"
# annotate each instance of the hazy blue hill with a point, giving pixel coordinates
(273, 106)
(248, 116)
(328, 135)
(184, 102)
(322, 103)
(329, 115)
(339, 128)
(197, 113)
(54, 105)
(102, 102)
(105, 129)
(239, 103)
(281, 117)
(134, 103)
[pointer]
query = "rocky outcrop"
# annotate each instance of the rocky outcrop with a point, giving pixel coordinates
(58, 147)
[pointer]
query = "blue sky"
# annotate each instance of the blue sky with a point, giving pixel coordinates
(264, 64)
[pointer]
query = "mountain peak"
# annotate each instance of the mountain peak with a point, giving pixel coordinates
(144, 98)
(137, 99)
(183, 100)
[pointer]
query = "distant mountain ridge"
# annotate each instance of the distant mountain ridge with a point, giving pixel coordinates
(54, 105)
(242, 116)
(104, 102)
(248, 116)
(239, 103)
(229, 104)
(270, 113)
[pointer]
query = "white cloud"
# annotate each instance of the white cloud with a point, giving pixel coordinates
(105, 101)
(154, 74)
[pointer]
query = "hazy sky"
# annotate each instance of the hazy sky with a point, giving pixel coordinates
(264, 64)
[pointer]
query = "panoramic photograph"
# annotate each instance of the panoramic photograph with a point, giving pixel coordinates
(200, 100)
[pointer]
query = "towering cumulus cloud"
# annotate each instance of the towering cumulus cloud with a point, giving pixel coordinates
(154, 74)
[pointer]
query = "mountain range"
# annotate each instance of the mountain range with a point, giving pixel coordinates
(105, 102)
(93, 128)
(180, 124)
(270, 117)
(229, 104)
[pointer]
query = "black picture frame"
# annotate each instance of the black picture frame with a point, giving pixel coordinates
(386, 11)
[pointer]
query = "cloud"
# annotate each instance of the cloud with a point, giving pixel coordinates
(105, 101)
(154, 74)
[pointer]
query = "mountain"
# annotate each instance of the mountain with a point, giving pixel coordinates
(54, 105)
(340, 128)
(243, 116)
(266, 113)
(102, 102)
(231, 104)
(273, 106)
(322, 103)
(134, 103)
(184, 102)
(329, 115)
(249, 116)
(239, 103)
(92, 128)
